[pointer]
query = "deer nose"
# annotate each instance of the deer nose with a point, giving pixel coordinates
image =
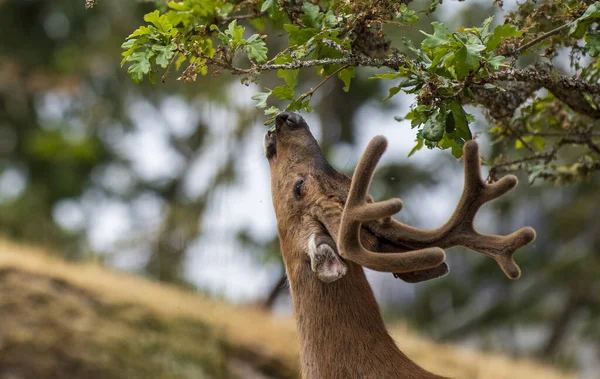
(288, 117)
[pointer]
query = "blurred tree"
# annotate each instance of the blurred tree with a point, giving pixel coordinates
(66, 113)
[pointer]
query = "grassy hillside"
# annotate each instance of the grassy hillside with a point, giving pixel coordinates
(67, 321)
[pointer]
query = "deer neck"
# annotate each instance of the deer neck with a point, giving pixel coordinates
(342, 334)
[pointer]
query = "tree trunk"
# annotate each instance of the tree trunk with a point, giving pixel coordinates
(277, 289)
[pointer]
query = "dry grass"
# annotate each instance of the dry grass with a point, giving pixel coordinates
(252, 334)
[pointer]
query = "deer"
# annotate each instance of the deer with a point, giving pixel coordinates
(330, 229)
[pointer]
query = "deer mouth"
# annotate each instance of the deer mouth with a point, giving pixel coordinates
(288, 119)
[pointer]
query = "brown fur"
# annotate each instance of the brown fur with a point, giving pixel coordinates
(342, 334)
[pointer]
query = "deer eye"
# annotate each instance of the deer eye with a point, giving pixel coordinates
(298, 189)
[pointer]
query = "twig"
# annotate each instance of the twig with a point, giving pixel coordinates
(520, 137)
(168, 69)
(564, 176)
(559, 134)
(309, 93)
(537, 157)
(593, 146)
(540, 39)
(393, 61)
(242, 17)
(543, 77)
(337, 46)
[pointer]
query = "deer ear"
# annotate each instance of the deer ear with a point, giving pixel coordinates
(324, 260)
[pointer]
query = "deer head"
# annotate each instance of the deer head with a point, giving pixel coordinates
(325, 218)
(301, 179)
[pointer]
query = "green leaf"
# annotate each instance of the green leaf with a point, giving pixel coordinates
(346, 76)
(142, 30)
(449, 143)
(590, 101)
(500, 34)
(128, 44)
(272, 111)
(393, 91)
(283, 92)
(224, 38)
(460, 120)
(140, 66)
(289, 76)
(468, 93)
(182, 58)
(272, 8)
(210, 6)
(261, 97)
(154, 18)
(407, 16)
(311, 17)
(520, 143)
(236, 32)
(438, 38)
(493, 88)
(388, 75)
(434, 128)
(465, 60)
(418, 52)
(417, 147)
(162, 23)
(535, 172)
(164, 54)
(175, 18)
(299, 104)
(256, 49)
(580, 25)
(539, 142)
(497, 62)
(183, 6)
(298, 35)
(131, 46)
(485, 29)
(592, 40)
(433, 7)
(419, 115)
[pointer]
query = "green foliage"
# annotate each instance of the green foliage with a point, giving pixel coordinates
(442, 73)
(580, 25)
(185, 32)
(407, 16)
(446, 61)
(152, 44)
(579, 29)
(272, 8)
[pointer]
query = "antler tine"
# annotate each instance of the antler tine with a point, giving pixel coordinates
(358, 210)
(459, 230)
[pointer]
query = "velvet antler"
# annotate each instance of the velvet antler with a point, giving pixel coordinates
(357, 210)
(426, 245)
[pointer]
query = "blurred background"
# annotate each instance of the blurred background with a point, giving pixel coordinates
(169, 181)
